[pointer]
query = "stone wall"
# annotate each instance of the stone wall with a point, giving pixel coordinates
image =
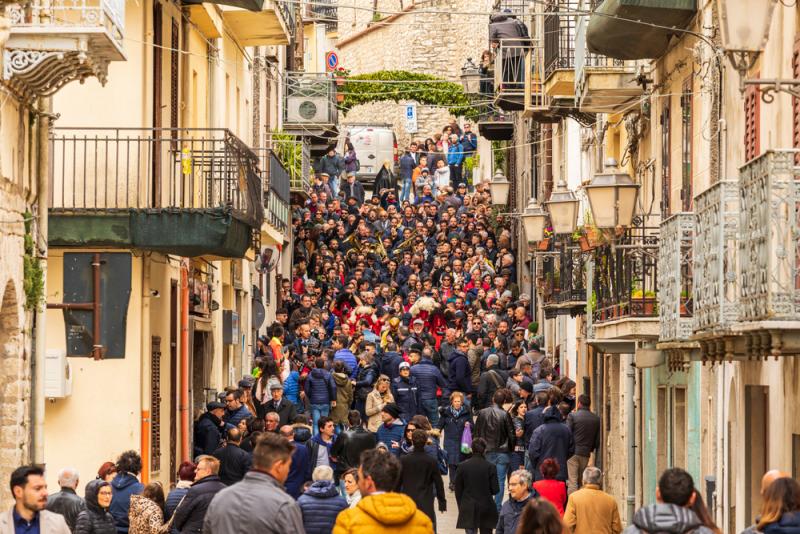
(414, 40)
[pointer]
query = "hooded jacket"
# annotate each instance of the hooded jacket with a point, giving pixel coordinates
(662, 518)
(429, 379)
(344, 397)
(320, 504)
(124, 485)
(94, 519)
(207, 435)
(319, 387)
(512, 31)
(553, 439)
(459, 374)
(390, 364)
(387, 513)
(386, 434)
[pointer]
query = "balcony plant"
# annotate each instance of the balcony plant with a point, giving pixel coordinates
(646, 300)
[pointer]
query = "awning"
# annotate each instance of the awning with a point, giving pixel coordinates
(613, 29)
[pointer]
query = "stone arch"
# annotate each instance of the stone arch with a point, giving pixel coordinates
(12, 391)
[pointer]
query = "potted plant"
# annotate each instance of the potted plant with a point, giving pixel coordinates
(646, 300)
(686, 299)
(579, 237)
(340, 76)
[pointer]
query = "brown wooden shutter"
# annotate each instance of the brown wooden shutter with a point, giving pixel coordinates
(796, 101)
(687, 180)
(666, 177)
(174, 74)
(752, 114)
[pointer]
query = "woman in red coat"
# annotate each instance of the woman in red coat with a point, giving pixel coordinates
(551, 489)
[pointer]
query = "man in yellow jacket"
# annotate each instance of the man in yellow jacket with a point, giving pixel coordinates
(380, 510)
(590, 510)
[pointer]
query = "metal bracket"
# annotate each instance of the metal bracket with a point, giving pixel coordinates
(769, 87)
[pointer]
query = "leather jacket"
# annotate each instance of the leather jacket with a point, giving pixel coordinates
(495, 426)
(349, 445)
(67, 503)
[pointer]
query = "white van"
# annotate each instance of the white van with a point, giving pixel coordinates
(374, 144)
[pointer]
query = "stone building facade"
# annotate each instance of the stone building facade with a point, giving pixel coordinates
(435, 38)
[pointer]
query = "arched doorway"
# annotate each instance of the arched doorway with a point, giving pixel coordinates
(12, 389)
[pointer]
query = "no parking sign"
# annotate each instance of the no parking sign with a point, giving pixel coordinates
(331, 61)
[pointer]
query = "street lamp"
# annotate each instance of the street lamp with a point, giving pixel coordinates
(563, 208)
(612, 198)
(499, 188)
(471, 77)
(534, 220)
(744, 27)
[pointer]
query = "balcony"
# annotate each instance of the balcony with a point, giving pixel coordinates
(675, 284)
(610, 31)
(189, 192)
(54, 42)
(603, 84)
(513, 70)
(294, 155)
(626, 286)
(259, 22)
(716, 283)
(309, 104)
(325, 12)
(563, 280)
(276, 183)
(559, 49)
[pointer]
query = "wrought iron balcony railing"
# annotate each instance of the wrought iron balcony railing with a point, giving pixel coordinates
(559, 36)
(53, 42)
(326, 12)
(626, 276)
(563, 279)
(295, 156)
(716, 285)
(512, 66)
(586, 61)
(116, 169)
(675, 286)
(769, 246)
(276, 183)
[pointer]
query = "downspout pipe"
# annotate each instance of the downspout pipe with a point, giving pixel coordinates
(630, 434)
(146, 367)
(183, 406)
(42, 201)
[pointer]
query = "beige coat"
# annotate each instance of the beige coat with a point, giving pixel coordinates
(375, 403)
(590, 510)
(49, 523)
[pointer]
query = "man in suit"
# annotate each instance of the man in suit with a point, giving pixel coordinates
(285, 408)
(30, 499)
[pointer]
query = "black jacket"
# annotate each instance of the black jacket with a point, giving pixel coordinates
(287, 411)
(476, 485)
(551, 440)
(207, 434)
(67, 503)
(491, 380)
(406, 396)
(513, 32)
(585, 428)
(94, 519)
(234, 462)
(349, 445)
(419, 476)
(190, 514)
(496, 427)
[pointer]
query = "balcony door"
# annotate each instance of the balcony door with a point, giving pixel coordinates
(756, 446)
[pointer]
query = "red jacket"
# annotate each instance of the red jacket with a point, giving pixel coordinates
(554, 491)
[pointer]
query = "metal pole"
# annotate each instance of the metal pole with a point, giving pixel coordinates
(630, 433)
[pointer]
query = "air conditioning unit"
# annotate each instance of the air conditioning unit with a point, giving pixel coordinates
(307, 109)
(57, 374)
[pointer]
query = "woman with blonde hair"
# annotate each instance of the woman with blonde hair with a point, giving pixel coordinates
(379, 397)
(780, 509)
(452, 421)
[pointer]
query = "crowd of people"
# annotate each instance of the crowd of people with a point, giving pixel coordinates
(403, 364)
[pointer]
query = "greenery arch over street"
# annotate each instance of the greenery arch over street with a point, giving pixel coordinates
(400, 85)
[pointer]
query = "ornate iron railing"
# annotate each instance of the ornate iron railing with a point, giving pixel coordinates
(559, 36)
(563, 279)
(326, 12)
(276, 184)
(107, 169)
(675, 284)
(512, 67)
(626, 276)
(716, 286)
(769, 246)
(585, 60)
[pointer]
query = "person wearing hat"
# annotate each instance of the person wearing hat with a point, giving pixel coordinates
(353, 188)
(209, 428)
(390, 433)
(331, 164)
(285, 408)
(405, 391)
(423, 179)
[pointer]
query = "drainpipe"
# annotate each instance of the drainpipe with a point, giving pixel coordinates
(183, 406)
(42, 201)
(146, 370)
(630, 434)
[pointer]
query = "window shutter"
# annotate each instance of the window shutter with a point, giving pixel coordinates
(155, 404)
(796, 101)
(666, 174)
(752, 113)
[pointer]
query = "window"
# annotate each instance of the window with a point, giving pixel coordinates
(666, 185)
(752, 122)
(686, 146)
(671, 428)
(679, 434)
(756, 446)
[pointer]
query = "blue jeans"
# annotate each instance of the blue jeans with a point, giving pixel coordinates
(317, 411)
(500, 460)
(405, 192)
(431, 410)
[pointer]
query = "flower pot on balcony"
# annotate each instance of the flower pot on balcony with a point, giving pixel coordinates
(339, 97)
(544, 245)
(339, 82)
(583, 241)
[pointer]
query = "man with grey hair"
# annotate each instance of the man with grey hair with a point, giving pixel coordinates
(520, 492)
(590, 509)
(492, 379)
(321, 502)
(66, 502)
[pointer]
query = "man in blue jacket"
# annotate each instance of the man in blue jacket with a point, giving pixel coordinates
(406, 392)
(553, 439)
(321, 392)
(390, 433)
(455, 157)
(459, 373)
(300, 470)
(429, 378)
(345, 355)
(390, 362)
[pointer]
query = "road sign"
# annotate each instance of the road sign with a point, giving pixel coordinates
(411, 117)
(331, 61)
